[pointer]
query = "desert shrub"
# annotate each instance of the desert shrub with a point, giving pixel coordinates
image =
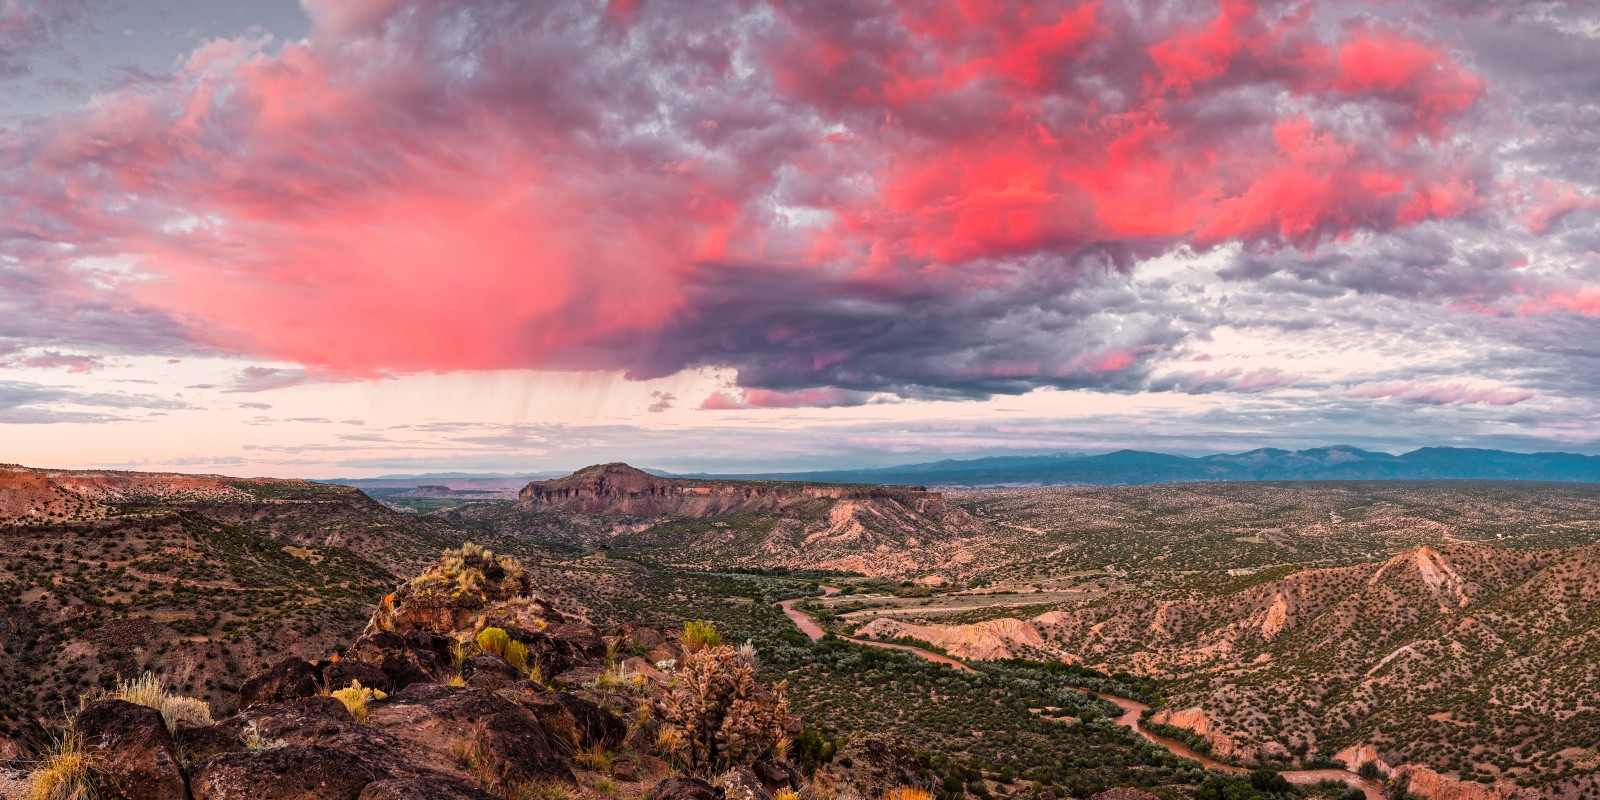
(699, 635)
(493, 641)
(908, 793)
(66, 773)
(357, 698)
(716, 714)
(516, 654)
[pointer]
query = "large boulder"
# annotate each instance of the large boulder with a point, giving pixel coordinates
(437, 723)
(321, 721)
(777, 776)
(287, 679)
(573, 722)
(339, 674)
(133, 749)
(415, 657)
(682, 788)
(490, 672)
(431, 787)
(292, 772)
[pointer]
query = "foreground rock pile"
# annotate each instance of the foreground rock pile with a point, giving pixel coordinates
(467, 684)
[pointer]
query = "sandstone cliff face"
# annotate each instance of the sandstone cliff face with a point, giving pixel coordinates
(621, 490)
(1429, 784)
(983, 641)
(872, 530)
(1195, 719)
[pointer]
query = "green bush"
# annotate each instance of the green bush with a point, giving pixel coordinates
(700, 635)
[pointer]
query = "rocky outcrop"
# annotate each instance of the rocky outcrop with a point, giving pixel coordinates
(414, 657)
(133, 749)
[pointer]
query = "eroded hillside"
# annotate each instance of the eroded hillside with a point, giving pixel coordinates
(1473, 661)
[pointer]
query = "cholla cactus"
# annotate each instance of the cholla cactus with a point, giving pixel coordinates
(716, 714)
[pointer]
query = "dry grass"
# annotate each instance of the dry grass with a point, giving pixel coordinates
(908, 793)
(146, 690)
(594, 759)
(67, 773)
(541, 791)
(357, 698)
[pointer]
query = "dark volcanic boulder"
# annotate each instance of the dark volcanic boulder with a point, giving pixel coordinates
(740, 783)
(292, 772)
(490, 672)
(133, 749)
(562, 647)
(435, 723)
(432, 787)
(290, 678)
(681, 788)
(415, 657)
(777, 776)
(339, 674)
(579, 676)
(574, 722)
(878, 764)
(321, 721)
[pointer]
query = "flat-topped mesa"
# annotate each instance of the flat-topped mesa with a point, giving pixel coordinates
(621, 490)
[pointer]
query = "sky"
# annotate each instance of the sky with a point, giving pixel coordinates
(361, 237)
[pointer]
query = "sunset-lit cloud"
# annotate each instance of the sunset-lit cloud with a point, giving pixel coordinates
(791, 206)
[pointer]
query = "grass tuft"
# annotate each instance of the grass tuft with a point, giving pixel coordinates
(67, 773)
(357, 698)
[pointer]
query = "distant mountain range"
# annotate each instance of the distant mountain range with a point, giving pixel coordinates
(1338, 463)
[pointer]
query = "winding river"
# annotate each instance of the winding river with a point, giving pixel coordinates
(1132, 710)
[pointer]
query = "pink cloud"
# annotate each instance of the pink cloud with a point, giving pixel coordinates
(741, 399)
(71, 362)
(1437, 394)
(1552, 202)
(448, 186)
(1583, 300)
